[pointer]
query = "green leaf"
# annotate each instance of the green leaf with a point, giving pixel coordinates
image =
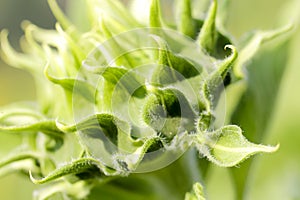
(253, 45)
(78, 51)
(19, 166)
(168, 112)
(75, 168)
(264, 79)
(18, 157)
(207, 37)
(113, 50)
(39, 163)
(130, 162)
(78, 190)
(59, 15)
(125, 79)
(108, 139)
(105, 122)
(73, 85)
(103, 135)
(212, 37)
(171, 67)
(185, 22)
(234, 93)
(214, 84)
(18, 122)
(112, 9)
(227, 146)
(47, 127)
(155, 15)
(223, 68)
(14, 58)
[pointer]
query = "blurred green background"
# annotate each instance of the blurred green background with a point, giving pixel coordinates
(271, 109)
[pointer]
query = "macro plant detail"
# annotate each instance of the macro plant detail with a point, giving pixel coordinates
(127, 97)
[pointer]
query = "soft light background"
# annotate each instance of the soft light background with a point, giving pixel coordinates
(272, 177)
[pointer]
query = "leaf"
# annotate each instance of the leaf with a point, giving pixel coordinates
(78, 51)
(111, 49)
(39, 163)
(14, 58)
(18, 157)
(105, 122)
(29, 121)
(113, 9)
(108, 139)
(123, 78)
(130, 162)
(234, 93)
(78, 190)
(30, 44)
(214, 83)
(227, 146)
(185, 22)
(168, 112)
(207, 37)
(155, 15)
(47, 127)
(35, 36)
(196, 194)
(264, 78)
(103, 135)
(19, 166)
(212, 37)
(59, 15)
(223, 68)
(73, 85)
(171, 67)
(277, 177)
(253, 45)
(75, 167)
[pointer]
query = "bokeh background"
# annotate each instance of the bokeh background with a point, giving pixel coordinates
(270, 110)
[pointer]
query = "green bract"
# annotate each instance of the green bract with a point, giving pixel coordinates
(197, 193)
(124, 97)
